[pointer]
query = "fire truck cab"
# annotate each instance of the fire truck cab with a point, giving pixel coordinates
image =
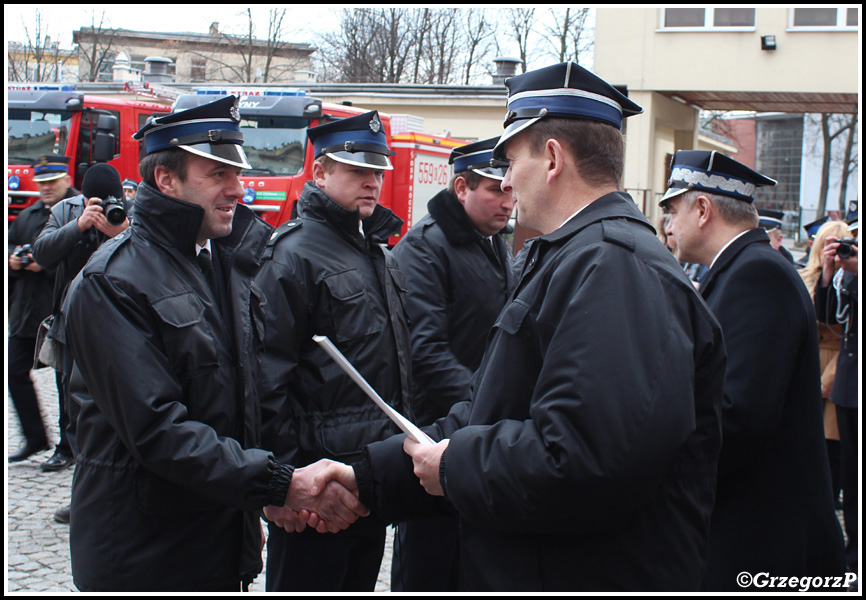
(45, 119)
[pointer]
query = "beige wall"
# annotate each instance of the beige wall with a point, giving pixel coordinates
(631, 49)
(665, 125)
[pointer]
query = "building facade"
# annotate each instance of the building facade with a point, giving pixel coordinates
(678, 61)
(213, 57)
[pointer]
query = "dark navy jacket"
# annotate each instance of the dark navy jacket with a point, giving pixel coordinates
(322, 277)
(169, 482)
(458, 282)
(586, 459)
(774, 508)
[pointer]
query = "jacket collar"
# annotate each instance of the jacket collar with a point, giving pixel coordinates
(167, 220)
(452, 218)
(317, 205)
(176, 223)
(616, 205)
(755, 236)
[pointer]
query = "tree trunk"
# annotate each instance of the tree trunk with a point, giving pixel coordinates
(825, 166)
(846, 163)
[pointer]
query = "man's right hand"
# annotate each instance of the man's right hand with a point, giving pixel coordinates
(91, 215)
(327, 490)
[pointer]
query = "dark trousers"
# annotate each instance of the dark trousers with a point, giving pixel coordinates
(834, 456)
(426, 556)
(22, 391)
(324, 562)
(848, 428)
(68, 413)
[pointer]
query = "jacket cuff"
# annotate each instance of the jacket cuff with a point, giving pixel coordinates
(278, 486)
(364, 481)
(442, 481)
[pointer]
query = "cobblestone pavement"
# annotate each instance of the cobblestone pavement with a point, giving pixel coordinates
(37, 546)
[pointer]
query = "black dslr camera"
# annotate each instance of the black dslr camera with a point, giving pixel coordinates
(846, 247)
(24, 254)
(113, 210)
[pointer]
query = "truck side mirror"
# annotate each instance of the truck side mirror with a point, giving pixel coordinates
(106, 138)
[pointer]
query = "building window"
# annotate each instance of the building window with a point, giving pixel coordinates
(684, 17)
(707, 18)
(734, 17)
(106, 72)
(779, 152)
(136, 61)
(198, 71)
(824, 18)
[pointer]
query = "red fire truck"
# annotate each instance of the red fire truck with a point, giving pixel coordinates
(88, 128)
(274, 124)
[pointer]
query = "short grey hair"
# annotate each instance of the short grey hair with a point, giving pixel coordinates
(731, 210)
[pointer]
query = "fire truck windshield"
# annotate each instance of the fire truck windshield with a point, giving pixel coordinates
(32, 133)
(274, 145)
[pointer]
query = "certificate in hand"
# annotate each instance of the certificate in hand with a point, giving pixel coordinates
(402, 422)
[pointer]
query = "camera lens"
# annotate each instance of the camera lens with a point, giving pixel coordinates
(845, 250)
(113, 210)
(115, 214)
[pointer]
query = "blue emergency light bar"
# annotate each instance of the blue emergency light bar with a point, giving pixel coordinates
(40, 87)
(252, 92)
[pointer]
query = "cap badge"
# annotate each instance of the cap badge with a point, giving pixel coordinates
(375, 125)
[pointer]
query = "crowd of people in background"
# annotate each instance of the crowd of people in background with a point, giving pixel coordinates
(605, 413)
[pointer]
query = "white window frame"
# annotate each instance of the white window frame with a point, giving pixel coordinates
(841, 21)
(709, 16)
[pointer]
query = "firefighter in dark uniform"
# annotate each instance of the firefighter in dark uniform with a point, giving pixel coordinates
(774, 506)
(162, 324)
(458, 268)
(330, 273)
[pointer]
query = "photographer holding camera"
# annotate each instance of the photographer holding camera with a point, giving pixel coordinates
(30, 299)
(76, 228)
(836, 303)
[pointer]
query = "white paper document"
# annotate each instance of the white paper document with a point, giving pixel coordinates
(402, 422)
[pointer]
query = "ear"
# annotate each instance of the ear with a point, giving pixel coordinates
(460, 188)
(318, 172)
(705, 208)
(554, 155)
(166, 180)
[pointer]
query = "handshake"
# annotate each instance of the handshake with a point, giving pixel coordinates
(324, 495)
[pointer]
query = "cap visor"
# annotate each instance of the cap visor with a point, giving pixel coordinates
(49, 176)
(368, 160)
(230, 154)
(511, 131)
(672, 193)
(497, 173)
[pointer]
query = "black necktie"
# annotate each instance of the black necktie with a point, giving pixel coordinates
(206, 265)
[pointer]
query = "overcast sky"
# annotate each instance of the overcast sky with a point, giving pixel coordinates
(60, 20)
(304, 23)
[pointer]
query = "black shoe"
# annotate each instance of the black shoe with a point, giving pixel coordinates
(62, 514)
(58, 462)
(27, 450)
